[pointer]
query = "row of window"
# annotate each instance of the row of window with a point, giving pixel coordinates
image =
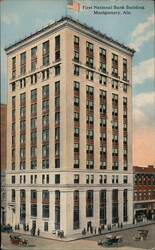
(144, 195)
(76, 179)
(45, 57)
(102, 58)
(45, 75)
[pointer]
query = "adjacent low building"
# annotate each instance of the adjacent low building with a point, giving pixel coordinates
(69, 163)
(144, 193)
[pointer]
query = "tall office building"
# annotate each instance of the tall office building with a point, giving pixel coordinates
(69, 129)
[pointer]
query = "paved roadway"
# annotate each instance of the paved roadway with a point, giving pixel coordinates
(91, 243)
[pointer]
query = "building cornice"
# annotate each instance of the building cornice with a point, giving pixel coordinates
(69, 22)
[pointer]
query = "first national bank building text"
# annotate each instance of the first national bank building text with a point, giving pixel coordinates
(69, 139)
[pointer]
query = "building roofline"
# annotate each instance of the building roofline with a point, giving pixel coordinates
(76, 22)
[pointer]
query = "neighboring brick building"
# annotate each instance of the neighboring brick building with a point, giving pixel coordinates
(69, 129)
(144, 193)
(3, 126)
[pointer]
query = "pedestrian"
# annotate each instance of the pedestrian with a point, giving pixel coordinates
(121, 224)
(38, 232)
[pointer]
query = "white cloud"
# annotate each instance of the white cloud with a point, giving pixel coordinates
(10, 19)
(139, 116)
(144, 70)
(137, 42)
(144, 99)
(142, 26)
(144, 109)
(140, 35)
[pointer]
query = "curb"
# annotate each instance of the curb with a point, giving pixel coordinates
(88, 236)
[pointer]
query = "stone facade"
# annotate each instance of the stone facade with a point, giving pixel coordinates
(73, 169)
(3, 108)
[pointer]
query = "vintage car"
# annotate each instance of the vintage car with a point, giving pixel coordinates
(111, 240)
(6, 229)
(141, 235)
(17, 240)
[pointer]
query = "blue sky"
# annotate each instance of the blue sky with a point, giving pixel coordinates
(22, 17)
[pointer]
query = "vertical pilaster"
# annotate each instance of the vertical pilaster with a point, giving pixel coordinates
(120, 206)
(109, 207)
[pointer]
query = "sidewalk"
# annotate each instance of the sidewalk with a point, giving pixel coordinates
(74, 237)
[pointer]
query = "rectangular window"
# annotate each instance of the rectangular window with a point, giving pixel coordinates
(57, 42)
(45, 150)
(76, 70)
(76, 40)
(76, 86)
(33, 94)
(114, 84)
(13, 86)
(34, 109)
(33, 151)
(89, 75)
(57, 163)
(76, 116)
(34, 210)
(34, 164)
(45, 120)
(45, 105)
(76, 147)
(76, 179)
(22, 98)
(57, 117)
(76, 101)
(57, 133)
(13, 195)
(76, 163)
(13, 67)
(46, 226)
(103, 165)
(57, 55)
(57, 149)
(57, 70)
(45, 211)
(57, 102)
(57, 87)
(22, 165)
(46, 53)
(33, 137)
(33, 58)
(33, 123)
(22, 125)
(76, 56)
(45, 164)
(45, 135)
(45, 91)
(57, 179)
(89, 203)
(76, 132)
(13, 179)
(23, 63)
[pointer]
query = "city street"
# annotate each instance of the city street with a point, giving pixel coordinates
(90, 243)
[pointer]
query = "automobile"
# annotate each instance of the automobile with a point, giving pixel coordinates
(18, 240)
(6, 229)
(141, 235)
(111, 240)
